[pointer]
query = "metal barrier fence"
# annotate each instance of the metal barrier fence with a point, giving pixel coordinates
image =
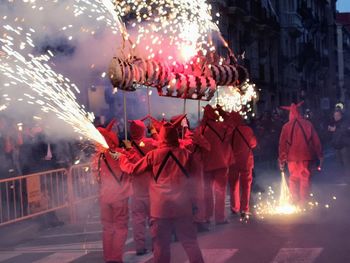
(31, 195)
(82, 187)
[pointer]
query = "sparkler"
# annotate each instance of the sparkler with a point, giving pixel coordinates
(283, 205)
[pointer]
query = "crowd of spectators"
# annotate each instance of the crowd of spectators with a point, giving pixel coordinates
(26, 149)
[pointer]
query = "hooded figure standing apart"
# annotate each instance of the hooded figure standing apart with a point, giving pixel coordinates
(115, 190)
(240, 174)
(170, 195)
(140, 205)
(299, 147)
(216, 162)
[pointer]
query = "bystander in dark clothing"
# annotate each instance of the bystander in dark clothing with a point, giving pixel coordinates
(340, 130)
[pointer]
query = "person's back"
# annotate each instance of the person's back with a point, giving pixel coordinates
(299, 141)
(115, 190)
(299, 146)
(115, 185)
(139, 146)
(170, 195)
(243, 143)
(218, 135)
(170, 183)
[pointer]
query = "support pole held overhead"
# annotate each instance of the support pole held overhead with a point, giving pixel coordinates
(125, 117)
(199, 111)
(148, 101)
(184, 112)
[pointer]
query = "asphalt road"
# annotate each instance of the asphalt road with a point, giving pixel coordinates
(321, 235)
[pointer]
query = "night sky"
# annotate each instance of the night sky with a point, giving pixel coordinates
(343, 5)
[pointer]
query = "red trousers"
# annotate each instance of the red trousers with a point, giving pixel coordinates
(186, 232)
(215, 181)
(199, 196)
(299, 181)
(240, 181)
(114, 218)
(140, 216)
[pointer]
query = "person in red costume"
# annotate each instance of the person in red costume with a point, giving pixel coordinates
(240, 175)
(299, 147)
(197, 144)
(140, 146)
(115, 190)
(170, 195)
(216, 161)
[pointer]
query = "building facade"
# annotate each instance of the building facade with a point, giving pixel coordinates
(343, 52)
(289, 46)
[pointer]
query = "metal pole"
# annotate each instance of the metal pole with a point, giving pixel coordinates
(148, 101)
(217, 96)
(199, 111)
(125, 117)
(184, 106)
(183, 128)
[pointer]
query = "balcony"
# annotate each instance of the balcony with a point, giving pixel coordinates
(291, 21)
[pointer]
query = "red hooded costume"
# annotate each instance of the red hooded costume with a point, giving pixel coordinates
(114, 195)
(216, 162)
(197, 144)
(140, 204)
(170, 195)
(299, 145)
(240, 175)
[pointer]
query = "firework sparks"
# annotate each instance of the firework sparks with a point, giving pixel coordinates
(185, 27)
(283, 205)
(237, 98)
(3, 107)
(54, 92)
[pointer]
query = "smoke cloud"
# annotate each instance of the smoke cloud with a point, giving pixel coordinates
(82, 47)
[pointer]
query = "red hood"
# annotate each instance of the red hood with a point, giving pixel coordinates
(137, 130)
(110, 136)
(293, 110)
(209, 113)
(168, 134)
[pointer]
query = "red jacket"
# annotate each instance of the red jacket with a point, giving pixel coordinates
(243, 142)
(141, 182)
(115, 184)
(170, 187)
(196, 163)
(299, 141)
(218, 134)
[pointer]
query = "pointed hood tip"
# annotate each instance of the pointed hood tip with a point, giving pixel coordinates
(137, 129)
(168, 134)
(293, 110)
(110, 136)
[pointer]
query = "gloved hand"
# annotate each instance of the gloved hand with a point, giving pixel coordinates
(282, 165)
(151, 128)
(127, 144)
(184, 123)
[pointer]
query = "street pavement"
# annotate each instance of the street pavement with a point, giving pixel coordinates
(321, 235)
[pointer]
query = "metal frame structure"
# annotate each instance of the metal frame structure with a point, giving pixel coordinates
(53, 190)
